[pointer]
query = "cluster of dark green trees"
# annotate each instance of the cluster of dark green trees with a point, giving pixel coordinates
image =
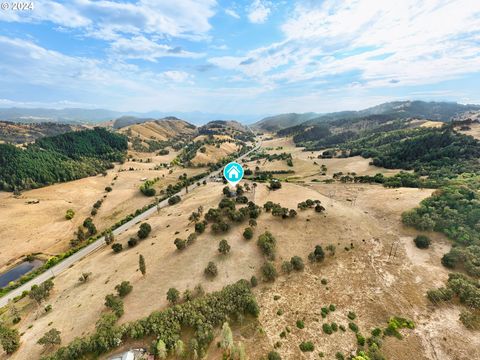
(9, 339)
(147, 188)
(202, 314)
(453, 210)
(435, 152)
(278, 210)
(60, 158)
(226, 212)
(181, 244)
(467, 257)
(309, 203)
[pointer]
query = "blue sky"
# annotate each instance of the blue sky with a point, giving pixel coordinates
(252, 57)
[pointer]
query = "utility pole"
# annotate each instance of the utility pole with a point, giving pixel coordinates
(393, 249)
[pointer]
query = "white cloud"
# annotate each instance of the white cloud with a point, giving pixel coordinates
(232, 13)
(176, 76)
(83, 77)
(381, 43)
(139, 47)
(259, 11)
(130, 26)
(46, 10)
(118, 86)
(182, 18)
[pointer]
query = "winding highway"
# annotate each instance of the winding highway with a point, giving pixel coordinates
(100, 243)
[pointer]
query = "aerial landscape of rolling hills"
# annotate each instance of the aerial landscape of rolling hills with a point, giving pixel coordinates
(240, 180)
(347, 235)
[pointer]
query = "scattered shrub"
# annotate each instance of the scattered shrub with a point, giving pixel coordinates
(124, 288)
(327, 328)
(115, 304)
(297, 263)
(422, 242)
(266, 242)
(287, 267)
(223, 247)
(248, 233)
(273, 355)
(173, 295)
(180, 243)
(360, 339)
(395, 323)
(269, 272)
(144, 231)
(174, 200)
(132, 242)
(211, 270)
(199, 227)
(317, 255)
(307, 346)
(353, 326)
(69, 214)
(117, 247)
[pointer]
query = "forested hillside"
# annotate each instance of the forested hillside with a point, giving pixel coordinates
(439, 153)
(59, 158)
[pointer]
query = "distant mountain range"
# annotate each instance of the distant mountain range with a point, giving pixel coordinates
(439, 111)
(92, 116)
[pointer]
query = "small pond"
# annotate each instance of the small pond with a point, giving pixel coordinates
(17, 271)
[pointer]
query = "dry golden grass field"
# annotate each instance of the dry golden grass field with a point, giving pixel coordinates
(381, 275)
(48, 231)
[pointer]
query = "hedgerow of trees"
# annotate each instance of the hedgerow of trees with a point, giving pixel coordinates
(202, 314)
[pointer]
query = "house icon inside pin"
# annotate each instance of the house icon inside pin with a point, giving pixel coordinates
(233, 173)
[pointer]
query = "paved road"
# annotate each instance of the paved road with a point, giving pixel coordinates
(100, 243)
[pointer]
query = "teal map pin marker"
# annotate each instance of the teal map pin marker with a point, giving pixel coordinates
(233, 172)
